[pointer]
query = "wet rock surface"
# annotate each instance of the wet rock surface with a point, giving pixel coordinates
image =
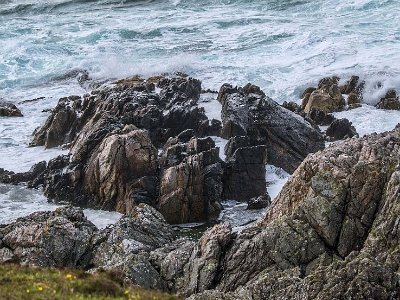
(61, 127)
(331, 232)
(341, 129)
(8, 109)
(391, 101)
(288, 137)
(244, 173)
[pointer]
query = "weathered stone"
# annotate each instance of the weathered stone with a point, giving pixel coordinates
(60, 127)
(8, 109)
(389, 103)
(202, 271)
(332, 231)
(341, 129)
(191, 185)
(259, 202)
(59, 239)
(247, 111)
(320, 117)
(119, 162)
(244, 173)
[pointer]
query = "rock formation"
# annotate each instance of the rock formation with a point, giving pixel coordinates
(391, 101)
(332, 232)
(247, 111)
(244, 172)
(191, 186)
(8, 109)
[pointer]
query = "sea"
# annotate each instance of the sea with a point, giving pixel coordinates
(283, 46)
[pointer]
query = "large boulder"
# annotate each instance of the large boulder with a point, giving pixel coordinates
(164, 112)
(60, 127)
(341, 129)
(118, 170)
(326, 98)
(244, 172)
(190, 184)
(8, 109)
(288, 137)
(59, 239)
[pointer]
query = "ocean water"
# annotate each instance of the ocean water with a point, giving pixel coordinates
(281, 45)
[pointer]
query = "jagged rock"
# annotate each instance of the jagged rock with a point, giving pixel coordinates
(190, 188)
(60, 127)
(59, 239)
(202, 271)
(144, 229)
(244, 172)
(294, 107)
(306, 96)
(327, 97)
(35, 172)
(121, 161)
(289, 138)
(171, 261)
(8, 109)
(390, 101)
(259, 202)
(331, 232)
(320, 117)
(132, 101)
(341, 129)
(353, 85)
(125, 246)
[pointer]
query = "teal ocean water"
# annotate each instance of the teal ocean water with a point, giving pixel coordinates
(281, 45)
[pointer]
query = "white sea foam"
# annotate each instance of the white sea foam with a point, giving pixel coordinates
(282, 46)
(368, 119)
(19, 201)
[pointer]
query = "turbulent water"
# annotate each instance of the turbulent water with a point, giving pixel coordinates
(281, 45)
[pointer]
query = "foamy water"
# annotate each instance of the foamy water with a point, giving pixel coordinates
(281, 45)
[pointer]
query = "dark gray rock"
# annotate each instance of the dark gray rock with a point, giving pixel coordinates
(244, 172)
(288, 137)
(60, 128)
(341, 129)
(259, 202)
(8, 109)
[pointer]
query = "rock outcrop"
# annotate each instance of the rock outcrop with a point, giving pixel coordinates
(60, 128)
(133, 101)
(288, 137)
(191, 180)
(341, 129)
(331, 233)
(330, 97)
(122, 172)
(391, 101)
(58, 239)
(125, 246)
(327, 97)
(8, 109)
(244, 172)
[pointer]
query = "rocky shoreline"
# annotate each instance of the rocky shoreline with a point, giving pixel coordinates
(143, 147)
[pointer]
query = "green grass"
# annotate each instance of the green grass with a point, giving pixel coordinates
(19, 283)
